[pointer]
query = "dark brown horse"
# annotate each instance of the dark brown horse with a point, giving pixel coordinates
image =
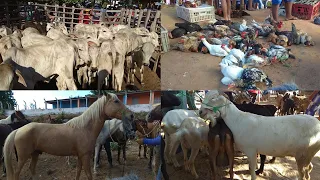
(5, 130)
(146, 130)
(14, 117)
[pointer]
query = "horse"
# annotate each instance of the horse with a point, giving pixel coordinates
(112, 129)
(148, 130)
(77, 137)
(154, 114)
(293, 135)
(14, 117)
(288, 105)
(5, 130)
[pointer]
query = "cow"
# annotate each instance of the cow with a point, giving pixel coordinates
(40, 62)
(9, 76)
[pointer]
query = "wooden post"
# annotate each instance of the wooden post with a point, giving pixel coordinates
(56, 11)
(135, 17)
(140, 17)
(129, 17)
(147, 19)
(154, 23)
(123, 13)
(72, 19)
(64, 11)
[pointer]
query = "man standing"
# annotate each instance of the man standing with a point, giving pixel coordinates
(288, 6)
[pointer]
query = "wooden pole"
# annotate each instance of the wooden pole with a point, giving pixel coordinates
(147, 18)
(140, 17)
(64, 11)
(72, 19)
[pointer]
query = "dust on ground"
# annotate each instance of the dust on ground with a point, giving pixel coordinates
(187, 70)
(281, 169)
(56, 168)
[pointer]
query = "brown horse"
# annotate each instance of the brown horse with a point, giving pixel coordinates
(77, 137)
(148, 130)
(14, 117)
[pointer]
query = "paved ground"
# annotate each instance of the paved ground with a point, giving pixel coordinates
(182, 70)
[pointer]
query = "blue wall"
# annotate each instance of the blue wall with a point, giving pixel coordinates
(66, 104)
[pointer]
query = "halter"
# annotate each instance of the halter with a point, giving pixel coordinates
(154, 127)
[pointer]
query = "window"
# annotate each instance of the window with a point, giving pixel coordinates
(135, 100)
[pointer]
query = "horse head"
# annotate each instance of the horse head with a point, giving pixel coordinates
(113, 107)
(17, 116)
(128, 128)
(168, 99)
(154, 114)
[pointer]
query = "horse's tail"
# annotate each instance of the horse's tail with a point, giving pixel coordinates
(8, 149)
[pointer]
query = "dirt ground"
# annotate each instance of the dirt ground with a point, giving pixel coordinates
(281, 169)
(191, 71)
(56, 168)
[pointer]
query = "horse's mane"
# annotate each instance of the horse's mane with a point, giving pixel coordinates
(92, 113)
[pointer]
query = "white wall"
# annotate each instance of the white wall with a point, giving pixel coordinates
(37, 112)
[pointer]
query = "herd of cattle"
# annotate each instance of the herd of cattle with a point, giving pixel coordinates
(93, 56)
(188, 129)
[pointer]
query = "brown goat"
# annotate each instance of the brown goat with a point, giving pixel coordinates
(221, 150)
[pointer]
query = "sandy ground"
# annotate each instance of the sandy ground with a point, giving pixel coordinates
(56, 168)
(282, 169)
(191, 71)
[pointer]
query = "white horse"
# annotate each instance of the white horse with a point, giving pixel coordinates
(109, 128)
(14, 117)
(192, 133)
(171, 122)
(293, 135)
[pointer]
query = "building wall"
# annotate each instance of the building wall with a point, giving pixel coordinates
(37, 112)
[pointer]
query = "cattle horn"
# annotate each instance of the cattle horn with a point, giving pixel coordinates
(20, 78)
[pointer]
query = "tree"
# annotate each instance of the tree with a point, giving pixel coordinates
(6, 97)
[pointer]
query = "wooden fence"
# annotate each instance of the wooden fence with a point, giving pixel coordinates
(18, 14)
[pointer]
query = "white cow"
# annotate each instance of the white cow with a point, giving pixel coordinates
(39, 62)
(171, 122)
(9, 76)
(32, 37)
(9, 41)
(192, 133)
(5, 31)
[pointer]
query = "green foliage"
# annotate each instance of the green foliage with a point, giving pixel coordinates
(39, 118)
(59, 119)
(7, 97)
(113, 146)
(1, 111)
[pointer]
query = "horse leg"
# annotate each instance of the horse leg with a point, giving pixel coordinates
(145, 151)
(252, 156)
(151, 158)
(230, 153)
(262, 161)
(272, 160)
(96, 158)
(22, 160)
(79, 168)
(86, 166)
(139, 155)
(173, 151)
(108, 150)
(32, 167)
(124, 153)
(119, 149)
(163, 163)
(194, 153)
(3, 167)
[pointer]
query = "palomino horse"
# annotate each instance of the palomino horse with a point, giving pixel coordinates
(112, 129)
(14, 117)
(292, 135)
(5, 130)
(77, 137)
(147, 130)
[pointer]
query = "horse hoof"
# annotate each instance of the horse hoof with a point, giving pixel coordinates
(95, 172)
(258, 172)
(4, 175)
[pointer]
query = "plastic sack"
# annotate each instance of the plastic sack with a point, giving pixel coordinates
(254, 59)
(233, 72)
(237, 53)
(229, 60)
(226, 81)
(243, 26)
